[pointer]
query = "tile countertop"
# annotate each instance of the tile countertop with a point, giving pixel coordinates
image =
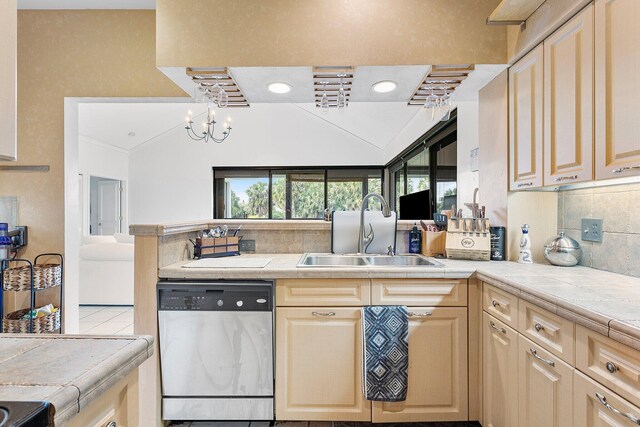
(69, 371)
(606, 302)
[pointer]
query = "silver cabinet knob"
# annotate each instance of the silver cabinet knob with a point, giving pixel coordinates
(538, 327)
(111, 424)
(611, 367)
(495, 303)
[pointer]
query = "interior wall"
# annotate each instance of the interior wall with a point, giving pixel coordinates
(63, 53)
(467, 141)
(617, 207)
(537, 209)
(493, 153)
(104, 161)
(171, 176)
(377, 32)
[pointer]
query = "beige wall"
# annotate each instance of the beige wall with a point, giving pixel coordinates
(71, 54)
(493, 153)
(328, 32)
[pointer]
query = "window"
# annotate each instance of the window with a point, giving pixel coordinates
(295, 193)
(428, 164)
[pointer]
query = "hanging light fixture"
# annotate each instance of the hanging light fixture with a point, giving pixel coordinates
(208, 128)
(213, 95)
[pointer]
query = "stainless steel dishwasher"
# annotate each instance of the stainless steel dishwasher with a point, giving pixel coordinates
(216, 350)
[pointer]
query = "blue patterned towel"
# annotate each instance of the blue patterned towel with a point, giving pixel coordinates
(386, 352)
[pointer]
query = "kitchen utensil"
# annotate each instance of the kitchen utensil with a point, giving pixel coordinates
(483, 212)
(224, 231)
(440, 220)
(235, 233)
(563, 251)
(424, 225)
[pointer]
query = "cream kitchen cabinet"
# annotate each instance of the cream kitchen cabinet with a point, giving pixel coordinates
(8, 82)
(319, 364)
(117, 406)
(568, 102)
(499, 373)
(545, 385)
(526, 121)
(617, 88)
(319, 349)
(438, 378)
(595, 405)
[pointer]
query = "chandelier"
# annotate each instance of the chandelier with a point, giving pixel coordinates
(213, 95)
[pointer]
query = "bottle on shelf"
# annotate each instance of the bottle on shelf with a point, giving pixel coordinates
(524, 257)
(5, 241)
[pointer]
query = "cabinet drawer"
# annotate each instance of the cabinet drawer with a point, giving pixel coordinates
(609, 362)
(419, 292)
(322, 292)
(500, 304)
(595, 405)
(549, 330)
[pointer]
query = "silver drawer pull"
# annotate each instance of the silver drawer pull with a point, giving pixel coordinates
(493, 325)
(611, 367)
(538, 327)
(607, 405)
(111, 424)
(495, 303)
(327, 314)
(535, 354)
(412, 314)
(626, 169)
(566, 178)
(525, 184)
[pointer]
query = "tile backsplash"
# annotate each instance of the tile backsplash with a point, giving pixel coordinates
(619, 208)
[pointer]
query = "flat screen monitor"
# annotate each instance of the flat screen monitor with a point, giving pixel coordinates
(416, 206)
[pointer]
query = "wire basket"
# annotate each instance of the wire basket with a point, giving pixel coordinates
(44, 276)
(13, 323)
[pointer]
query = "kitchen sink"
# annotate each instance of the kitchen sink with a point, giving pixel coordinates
(335, 260)
(315, 260)
(401, 260)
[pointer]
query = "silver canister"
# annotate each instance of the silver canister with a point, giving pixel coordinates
(563, 251)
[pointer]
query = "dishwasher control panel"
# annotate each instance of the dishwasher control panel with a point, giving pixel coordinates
(234, 296)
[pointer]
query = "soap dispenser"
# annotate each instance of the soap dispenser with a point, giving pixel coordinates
(414, 240)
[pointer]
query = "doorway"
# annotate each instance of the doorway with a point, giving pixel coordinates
(106, 198)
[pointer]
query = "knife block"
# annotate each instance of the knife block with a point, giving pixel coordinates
(467, 244)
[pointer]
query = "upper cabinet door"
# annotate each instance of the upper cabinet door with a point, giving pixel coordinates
(568, 102)
(8, 82)
(617, 84)
(525, 121)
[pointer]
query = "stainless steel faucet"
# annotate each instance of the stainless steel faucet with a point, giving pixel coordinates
(364, 239)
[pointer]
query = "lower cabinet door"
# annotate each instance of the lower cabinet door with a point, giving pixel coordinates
(319, 365)
(437, 388)
(545, 387)
(595, 405)
(499, 373)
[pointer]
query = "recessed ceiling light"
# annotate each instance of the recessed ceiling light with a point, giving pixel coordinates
(132, 134)
(384, 86)
(279, 87)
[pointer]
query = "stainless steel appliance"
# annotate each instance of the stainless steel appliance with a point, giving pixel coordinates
(216, 350)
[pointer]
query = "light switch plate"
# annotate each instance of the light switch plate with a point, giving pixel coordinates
(592, 230)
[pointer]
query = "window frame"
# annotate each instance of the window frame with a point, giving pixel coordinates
(435, 139)
(279, 170)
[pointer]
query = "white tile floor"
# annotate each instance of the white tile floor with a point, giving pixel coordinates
(106, 319)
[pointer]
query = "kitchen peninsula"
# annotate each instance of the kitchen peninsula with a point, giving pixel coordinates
(563, 315)
(88, 380)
